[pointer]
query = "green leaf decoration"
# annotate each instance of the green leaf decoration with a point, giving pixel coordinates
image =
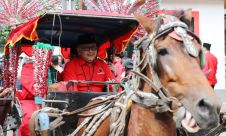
(40, 45)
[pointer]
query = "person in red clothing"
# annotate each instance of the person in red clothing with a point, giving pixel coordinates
(86, 66)
(119, 68)
(210, 68)
(26, 96)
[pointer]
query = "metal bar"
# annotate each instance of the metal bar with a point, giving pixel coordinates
(93, 82)
(56, 101)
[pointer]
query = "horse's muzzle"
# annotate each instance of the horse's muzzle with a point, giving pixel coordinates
(207, 116)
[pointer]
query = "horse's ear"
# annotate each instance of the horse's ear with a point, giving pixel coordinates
(147, 23)
(188, 14)
(185, 16)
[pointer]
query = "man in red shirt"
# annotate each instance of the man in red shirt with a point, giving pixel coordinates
(86, 66)
(210, 67)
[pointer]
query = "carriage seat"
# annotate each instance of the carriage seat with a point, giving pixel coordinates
(75, 100)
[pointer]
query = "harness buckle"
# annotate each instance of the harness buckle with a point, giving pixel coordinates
(174, 104)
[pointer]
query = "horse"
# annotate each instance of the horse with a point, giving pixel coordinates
(168, 66)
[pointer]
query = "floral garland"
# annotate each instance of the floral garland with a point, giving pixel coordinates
(42, 54)
(148, 8)
(13, 65)
(5, 71)
(14, 12)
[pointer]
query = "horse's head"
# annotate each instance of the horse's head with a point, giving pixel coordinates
(178, 60)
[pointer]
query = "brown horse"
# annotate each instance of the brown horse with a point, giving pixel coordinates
(176, 63)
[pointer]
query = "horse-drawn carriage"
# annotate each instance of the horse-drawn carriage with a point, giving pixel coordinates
(163, 79)
(62, 29)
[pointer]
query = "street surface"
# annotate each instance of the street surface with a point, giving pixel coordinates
(221, 93)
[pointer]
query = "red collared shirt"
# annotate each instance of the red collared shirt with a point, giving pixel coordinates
(78, 69)
(211, 63)
(27, 82)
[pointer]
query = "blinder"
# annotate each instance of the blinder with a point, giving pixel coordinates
(181, 30)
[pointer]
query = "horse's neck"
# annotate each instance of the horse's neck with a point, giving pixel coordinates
(142, 122)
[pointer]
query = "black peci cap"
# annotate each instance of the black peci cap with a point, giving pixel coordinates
(207, 45)
(82, 40)
(85, 39)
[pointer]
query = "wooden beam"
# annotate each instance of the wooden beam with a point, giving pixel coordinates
(224, 4)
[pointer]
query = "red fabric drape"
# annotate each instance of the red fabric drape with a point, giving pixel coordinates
(27, 49)
(26, 30)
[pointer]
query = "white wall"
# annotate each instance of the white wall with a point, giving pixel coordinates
(211, 27)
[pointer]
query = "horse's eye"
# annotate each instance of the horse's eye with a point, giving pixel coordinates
(162, 52)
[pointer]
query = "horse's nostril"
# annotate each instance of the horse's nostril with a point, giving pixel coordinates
(204, 105)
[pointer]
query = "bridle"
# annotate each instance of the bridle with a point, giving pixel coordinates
(160, 100)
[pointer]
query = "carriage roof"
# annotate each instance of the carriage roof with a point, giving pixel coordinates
(104, 26)
(62, 28)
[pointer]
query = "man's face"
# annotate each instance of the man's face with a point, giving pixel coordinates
(87, 52)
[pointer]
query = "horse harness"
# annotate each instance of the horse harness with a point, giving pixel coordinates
(161, 101)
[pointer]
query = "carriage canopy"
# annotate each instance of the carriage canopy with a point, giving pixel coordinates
(62, 28)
